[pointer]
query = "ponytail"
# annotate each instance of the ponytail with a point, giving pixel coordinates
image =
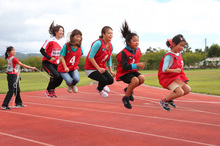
(126, 32)
(8, 50)
(54, 28)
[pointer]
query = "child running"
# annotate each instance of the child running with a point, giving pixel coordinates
(171, 75)
(100, 53)
(51, 54)
(70, 55)
(12, 77)
(128, 62)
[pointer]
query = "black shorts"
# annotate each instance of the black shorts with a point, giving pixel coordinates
(127, 77)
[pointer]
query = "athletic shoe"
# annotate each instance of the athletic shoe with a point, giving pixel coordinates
(171, 102)
(70, 88)
(102, 93)
(75, 89)
(130, 96)
(106, 89)
(164, 105)
(126, 102)
(5, 107)
(19, 106)
(52, 91)
(48, 93)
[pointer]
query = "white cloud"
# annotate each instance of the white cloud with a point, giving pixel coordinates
(25, 23)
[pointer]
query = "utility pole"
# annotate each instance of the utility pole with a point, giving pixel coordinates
(205, 49)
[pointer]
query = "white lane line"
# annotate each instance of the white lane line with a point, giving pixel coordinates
(125, 114)
(26, 139)
(138, 97)
(113, 128)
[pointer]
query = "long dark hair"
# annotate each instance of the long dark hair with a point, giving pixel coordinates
(8, 50)
(73, 33)
(104, 29)
(126, 32)
(54, 28)
(176, 39)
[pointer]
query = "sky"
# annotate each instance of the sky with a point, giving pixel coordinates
(24, 24)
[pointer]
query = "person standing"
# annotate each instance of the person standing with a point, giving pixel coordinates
(51, 54)
(70, 55)
(100, 53)
(171, 74)
(12, 77)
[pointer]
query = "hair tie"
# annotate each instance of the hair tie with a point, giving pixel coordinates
(171, 42)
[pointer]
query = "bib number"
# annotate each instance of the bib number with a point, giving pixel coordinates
(72, 60)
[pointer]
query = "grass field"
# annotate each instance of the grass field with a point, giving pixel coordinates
(205, 81)
(201, 81)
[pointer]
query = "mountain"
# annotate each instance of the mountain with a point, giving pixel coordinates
(23, 56)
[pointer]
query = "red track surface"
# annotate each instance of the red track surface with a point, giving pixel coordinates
(85, 118)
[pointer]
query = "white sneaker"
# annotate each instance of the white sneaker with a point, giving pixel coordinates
(106, 89)
(70, 88)
(75, 89)
(102, 93)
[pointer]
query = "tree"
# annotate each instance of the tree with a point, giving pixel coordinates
(191, 59)
(152, 58)
(3, 64)
(214, 51)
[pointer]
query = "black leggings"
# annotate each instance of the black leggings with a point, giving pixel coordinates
(103, 79)
(55, 78)
(12, 90)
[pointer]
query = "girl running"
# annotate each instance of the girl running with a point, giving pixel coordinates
(100, 52)
(128, 62)
(70, 55)
(13, 82)
(171, 75)
(51, 54)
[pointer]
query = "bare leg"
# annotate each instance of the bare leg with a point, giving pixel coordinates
(134, 83)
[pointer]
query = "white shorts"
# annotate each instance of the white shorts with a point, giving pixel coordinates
(175, 84)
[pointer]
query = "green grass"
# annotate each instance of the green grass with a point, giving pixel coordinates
(201, 81)
(36, 81)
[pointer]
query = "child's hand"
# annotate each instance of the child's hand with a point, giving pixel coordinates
(34, 68)
(141, 65)
(101, 70)
(52, 59)
(178, 70)
(67, 69)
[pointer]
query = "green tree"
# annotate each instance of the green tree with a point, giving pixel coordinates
(191, 59)
(3, 64)
(152, 58)
(214, 51)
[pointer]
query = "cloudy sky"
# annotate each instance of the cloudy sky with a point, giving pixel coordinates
(24, 23)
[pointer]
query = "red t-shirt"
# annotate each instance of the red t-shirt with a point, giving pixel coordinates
(53, 47)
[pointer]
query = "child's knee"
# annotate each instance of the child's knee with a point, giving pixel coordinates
(179, 91)
(187, 89)
(135, 81)
(141, 79)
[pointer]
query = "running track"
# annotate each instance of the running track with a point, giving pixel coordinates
(85, 118)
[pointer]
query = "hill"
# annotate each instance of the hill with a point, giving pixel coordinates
(23, 56)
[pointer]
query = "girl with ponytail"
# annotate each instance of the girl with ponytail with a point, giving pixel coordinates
(12, 77)
(51, 54)
(128, 62)
(171, 75)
